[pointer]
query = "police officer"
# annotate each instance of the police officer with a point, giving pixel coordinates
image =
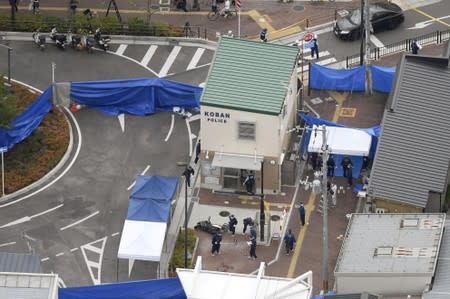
(264, 35)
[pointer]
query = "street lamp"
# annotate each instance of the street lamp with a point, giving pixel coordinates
(262, 214)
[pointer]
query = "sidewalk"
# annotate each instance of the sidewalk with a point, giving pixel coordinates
(368, 111)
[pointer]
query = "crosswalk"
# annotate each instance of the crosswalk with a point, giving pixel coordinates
(165, 60)
(325, 58)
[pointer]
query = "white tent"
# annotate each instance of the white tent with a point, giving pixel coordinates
(199, 284)
(341, 141)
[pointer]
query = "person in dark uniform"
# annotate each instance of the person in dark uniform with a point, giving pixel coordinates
(198, 150)
(253, 249)
(314, 160)
(249, 183)
(315, 47)
(302, 212)
(247, 221)
(188, 172)
(345, 163)
(365, 163)
(264, 35)
(289, 241)
(232, 224)
(331, 165)
(216, 239)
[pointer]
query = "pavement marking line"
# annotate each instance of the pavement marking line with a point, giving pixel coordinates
(74, 249)
(340, 99)
(7, 244)
(196, 58)
(28, 218)
(376, 42)
(431, 17)
(121, 49)
(172, 124)
(115, 234)
(259, 19)
(79, 221)
(309, 207)
(170, 60)
(45, 259)
(94, 265)
(59, 254)
(142, 173)
(150, 52)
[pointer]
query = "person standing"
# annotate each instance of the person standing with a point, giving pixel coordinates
(247, 221)
(350, 174)
(216, 239)
(232, 224)
(35, 7)
(289, 241)
(302, 212)
(188, 172)
(415, 47)
(314, 160)
(345, 163)
(73, 7)
(263, 36)
(315, 47)
(253, 249)
(253, 231)
(198, 150)
(249, 182)
(331, 165)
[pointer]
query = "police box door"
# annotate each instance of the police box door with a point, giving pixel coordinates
(233, 178)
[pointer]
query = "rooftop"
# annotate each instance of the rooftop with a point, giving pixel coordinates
(391, 243)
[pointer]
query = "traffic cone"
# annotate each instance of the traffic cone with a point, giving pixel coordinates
(73, 107)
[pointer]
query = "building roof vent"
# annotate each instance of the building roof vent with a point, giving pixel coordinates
(409, 223)
(383, 251)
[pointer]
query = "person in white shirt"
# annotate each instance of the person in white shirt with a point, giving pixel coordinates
(226, 9)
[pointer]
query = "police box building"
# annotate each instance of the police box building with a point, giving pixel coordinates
(248, 106)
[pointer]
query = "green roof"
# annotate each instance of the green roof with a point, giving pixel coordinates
(249, 76)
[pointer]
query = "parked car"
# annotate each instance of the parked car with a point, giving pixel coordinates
(382, 16)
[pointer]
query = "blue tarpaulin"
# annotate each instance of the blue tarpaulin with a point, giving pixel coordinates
(24, 124)
(151, 197)
(170, 288)
(356, 160)
(324, 78)
(135, 96)
(382, 78)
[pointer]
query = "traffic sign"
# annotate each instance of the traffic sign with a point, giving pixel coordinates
(3, 149)
(238, 4)
(308, 37)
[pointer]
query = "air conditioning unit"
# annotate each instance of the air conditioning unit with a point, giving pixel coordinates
(379, 211)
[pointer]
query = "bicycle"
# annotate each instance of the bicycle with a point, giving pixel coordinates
(215, 13)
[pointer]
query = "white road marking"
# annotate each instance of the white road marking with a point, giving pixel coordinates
(74, 249)
(79, 221)
(196, 58)
(142, 173)
(322, 62)
(190, 137)
(94, 265)
(194, 117)
(137, 62)
(376, 42)
(121, 49)
(59, 254)
(115, 234)
(203, 65)
(28, 218)
(170, 60)
(7, 244)
(172, 123)
(121, 118)
(45, 259)
(150, 52)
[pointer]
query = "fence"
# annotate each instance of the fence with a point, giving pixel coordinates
(437, 37)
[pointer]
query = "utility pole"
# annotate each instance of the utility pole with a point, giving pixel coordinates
(13, 12)
(262, 214)
(361, 35)
(325, 211)
(367, 46)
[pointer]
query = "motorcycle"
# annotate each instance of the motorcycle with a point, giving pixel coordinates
(75, 41)
(59, 39)
(102, 41)
(208, 227)
(89, 43)
(39, 39)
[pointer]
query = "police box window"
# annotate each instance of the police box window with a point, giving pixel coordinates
(247, 130)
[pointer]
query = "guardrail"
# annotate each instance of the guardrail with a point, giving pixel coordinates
(437, 38)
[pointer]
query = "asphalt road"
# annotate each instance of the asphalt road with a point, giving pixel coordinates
(75, 222)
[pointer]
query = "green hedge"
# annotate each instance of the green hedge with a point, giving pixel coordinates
(178, 253)
(80, 24)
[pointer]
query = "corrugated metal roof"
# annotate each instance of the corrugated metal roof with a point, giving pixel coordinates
(28, 286)
(17, 262)
(414, 147)
(441, 285)
(249, 76)
(368, 232)
(351, 296)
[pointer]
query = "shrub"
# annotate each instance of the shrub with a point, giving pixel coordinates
(178, 253)
(8, 107)
(137, 26)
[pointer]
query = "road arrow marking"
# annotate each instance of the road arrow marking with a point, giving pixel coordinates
(28, 218)
(421, 25)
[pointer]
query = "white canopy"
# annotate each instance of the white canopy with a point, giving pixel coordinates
(199, 284)
(142, 240)
(341, 141)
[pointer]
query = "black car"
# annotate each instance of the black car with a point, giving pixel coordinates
(382, 16)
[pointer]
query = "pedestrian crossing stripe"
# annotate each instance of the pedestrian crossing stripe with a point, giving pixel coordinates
(148, 55)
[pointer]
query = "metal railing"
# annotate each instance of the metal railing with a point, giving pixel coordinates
(437, 38)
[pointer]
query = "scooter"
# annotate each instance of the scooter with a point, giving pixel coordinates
(102, 41)
(59, 39)
(208, 227)
(75, 41)
(89, 43)
(39, 39)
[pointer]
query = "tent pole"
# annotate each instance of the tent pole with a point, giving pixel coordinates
(185, 222)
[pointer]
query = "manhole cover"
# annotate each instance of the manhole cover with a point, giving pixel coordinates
(224, 213)
(298, 8)
(275, 218)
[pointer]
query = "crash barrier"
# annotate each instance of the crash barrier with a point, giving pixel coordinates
(437, 38)
(354, 79)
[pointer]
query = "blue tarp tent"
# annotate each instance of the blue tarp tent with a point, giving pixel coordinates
(147, 289)
(135, 96)
(148, 212)
(356, 160)
(340, 80)
(382, 78)
(24, 124)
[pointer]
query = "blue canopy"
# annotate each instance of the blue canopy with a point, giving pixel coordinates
(24, 124)
(382, 78)
(340, 80)
(151, 197)
(135, 96)
(170, 288)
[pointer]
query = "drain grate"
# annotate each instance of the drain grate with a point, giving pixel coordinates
(224, 213)
(275, 218)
